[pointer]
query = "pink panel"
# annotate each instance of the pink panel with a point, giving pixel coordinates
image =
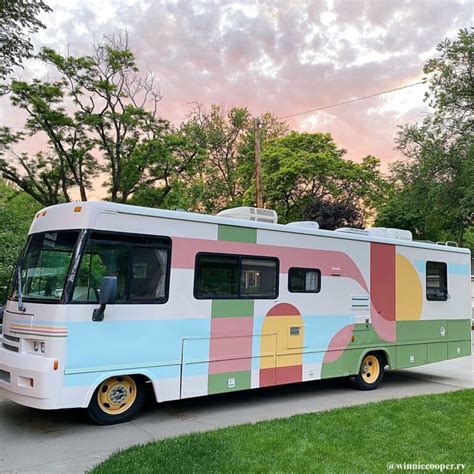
(338, 343)
(290, 374)
(382, 289)
(231, 345)
(267, 377)
(281, 375)
(382, 279)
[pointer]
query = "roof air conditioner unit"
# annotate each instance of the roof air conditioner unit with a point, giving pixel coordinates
(308, 224)
(383, 232)
(251, 214)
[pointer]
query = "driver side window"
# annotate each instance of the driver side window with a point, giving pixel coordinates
(140, 264)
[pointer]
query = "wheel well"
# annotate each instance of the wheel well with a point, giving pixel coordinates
(383, 356)
(147, 383)
(140, 378)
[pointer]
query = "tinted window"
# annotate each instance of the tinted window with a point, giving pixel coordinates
(148, 276)
(140, 267)
(258, 277)
(436, 281)
(304, 280)
(232, 276)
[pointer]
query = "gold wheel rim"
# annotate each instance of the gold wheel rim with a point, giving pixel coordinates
(370, 369)
(117, 394)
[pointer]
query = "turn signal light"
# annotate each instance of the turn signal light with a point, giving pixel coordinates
(77, 209)
(55, 365)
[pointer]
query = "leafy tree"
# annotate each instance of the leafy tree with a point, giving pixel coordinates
(17, 210)
(220, 147)
(111, 129)
(302, 167)
(19, 20)
(451, 83)
(226, 178)
(175, 178)
(434, 185)
(331, 215)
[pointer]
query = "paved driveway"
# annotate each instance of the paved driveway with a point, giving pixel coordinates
(64, 441)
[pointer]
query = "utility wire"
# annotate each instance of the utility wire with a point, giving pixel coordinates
(352, 100)
(357, 99)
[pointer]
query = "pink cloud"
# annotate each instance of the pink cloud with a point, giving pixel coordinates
(284, 56)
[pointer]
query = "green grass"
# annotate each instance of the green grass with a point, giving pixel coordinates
(424, 429)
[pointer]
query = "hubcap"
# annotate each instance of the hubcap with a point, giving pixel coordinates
(117, 394)
(370, 369)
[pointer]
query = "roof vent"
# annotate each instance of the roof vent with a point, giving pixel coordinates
(383, 232)
(251, 214)
(308, 224)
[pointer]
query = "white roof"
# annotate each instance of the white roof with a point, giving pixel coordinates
(60, 213)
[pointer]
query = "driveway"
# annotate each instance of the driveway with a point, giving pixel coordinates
(64, 441)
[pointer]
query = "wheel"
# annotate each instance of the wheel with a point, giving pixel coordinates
(371, 372)
(116, 400)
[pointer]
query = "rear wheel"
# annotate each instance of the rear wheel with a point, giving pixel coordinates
(371, 372)
(116, 400)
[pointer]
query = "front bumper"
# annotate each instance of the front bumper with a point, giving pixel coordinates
(30, 380)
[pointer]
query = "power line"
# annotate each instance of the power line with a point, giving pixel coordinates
(351, 100)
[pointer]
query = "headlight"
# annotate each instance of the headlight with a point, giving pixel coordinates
(36, 347)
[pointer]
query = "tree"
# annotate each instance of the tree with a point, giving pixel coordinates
(17, 210)
(434, 185)
(220, 145)
(302, 167)
(451, 83)
(111, 129)
(19, 20)
(331, 215)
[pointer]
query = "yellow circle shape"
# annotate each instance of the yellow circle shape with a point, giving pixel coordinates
(409, 295)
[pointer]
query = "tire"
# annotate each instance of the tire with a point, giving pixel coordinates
(116, 400)
(371, 372)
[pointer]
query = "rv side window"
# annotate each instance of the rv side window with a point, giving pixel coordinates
(140, 264)
(304, 280)
(233, 276)
(436, 281)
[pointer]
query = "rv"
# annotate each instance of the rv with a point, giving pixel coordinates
(107, 298)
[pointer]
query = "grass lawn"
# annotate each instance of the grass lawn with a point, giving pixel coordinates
(426, 429)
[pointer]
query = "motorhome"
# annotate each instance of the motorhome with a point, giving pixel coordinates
(109, 297)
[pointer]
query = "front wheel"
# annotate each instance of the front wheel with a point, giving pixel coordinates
(116, 400)
(371, 372)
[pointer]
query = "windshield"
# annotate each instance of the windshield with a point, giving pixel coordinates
(45, 265)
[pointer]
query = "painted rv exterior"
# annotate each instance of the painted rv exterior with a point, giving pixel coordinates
(372, 297)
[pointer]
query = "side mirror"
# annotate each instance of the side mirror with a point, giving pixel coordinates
(108, 295)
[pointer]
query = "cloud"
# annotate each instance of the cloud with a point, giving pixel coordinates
(284, 56)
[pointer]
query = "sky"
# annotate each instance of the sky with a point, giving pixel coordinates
(282, 56)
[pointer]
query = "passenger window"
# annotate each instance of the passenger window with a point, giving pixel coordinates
(141, 271)
(232, 276)
(304, 280)
(436, 281)
(217, 276)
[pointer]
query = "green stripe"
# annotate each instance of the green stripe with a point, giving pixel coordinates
(232, 308)
(232, 233)
(219, 383)
(422, 331)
